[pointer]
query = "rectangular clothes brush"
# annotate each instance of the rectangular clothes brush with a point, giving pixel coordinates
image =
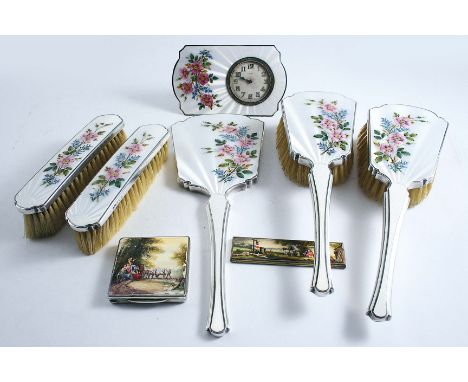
(398, 151)
(215, 155)
(114, 193)
(47, 195)
(314, 143)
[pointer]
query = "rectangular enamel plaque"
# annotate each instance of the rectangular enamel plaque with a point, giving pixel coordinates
(253, 250)
(150, 270)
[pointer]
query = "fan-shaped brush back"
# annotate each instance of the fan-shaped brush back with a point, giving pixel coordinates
(217, 153)
(319, 126)
(404, 144)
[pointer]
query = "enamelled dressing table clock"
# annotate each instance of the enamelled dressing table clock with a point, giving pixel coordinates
(237, 79)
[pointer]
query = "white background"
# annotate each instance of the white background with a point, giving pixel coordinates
(53, 295)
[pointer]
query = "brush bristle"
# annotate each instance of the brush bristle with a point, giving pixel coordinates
(373, 187)
(90, 242)
(299, 173)
(49, 222)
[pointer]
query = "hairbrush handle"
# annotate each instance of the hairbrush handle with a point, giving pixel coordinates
(218, 213)
(320, 185)
(395, 202)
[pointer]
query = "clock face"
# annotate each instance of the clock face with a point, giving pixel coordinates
(250, 81)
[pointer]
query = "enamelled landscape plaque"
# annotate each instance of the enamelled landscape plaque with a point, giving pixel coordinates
(150, 270)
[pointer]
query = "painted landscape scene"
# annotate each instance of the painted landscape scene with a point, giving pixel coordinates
(250, 250)
(150, 267)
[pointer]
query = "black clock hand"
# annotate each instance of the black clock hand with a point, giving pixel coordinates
(246, 80)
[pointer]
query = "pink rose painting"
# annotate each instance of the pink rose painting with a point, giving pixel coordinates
(65, 161)
(330, 107)
(387, 148)
(196, 68)
(112, 173)
(184, 72)
(203, 78)
(396, 139)
(134, 148)
(186, 87)
(336, 135)
(207, 100)
(402, 120)
(195, 79)
(116, 174)
(230, 129)
(89, 136)
(393, 138)
(237, 154)
(70, 157)
(241, 158)
(331, 125)
(245, 142)
(226, 149)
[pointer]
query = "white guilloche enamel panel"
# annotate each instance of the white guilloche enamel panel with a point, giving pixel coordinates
(319, 125)
(199, 79)
(49, 182)
(405, 142)
(217, 152)
(102, 195)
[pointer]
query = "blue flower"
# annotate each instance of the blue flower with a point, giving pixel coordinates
(206, 53)
(205, 89)
(82, 149)
(242, 132)
(385, 123)
(119, 159)
(76, 143)
(342, 113)
(219, 172)
(398, 166)
(49, 179)
(96, 195)
(325, 148)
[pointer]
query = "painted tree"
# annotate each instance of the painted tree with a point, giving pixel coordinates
(140, 250)
(180, 258)
(180, 255)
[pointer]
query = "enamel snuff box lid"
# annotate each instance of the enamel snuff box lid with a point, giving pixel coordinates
(150, 270)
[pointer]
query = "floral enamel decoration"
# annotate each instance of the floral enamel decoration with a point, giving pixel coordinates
(113, 176)
(234, 148)
(392, 139)
(65, 160)
(332, 126)
(195, 79)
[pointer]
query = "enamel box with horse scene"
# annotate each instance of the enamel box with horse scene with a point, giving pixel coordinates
(150, 270)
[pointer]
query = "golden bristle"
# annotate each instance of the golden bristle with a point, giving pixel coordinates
(91, 241)
(299, 173)
(373, 187)
(49, 222)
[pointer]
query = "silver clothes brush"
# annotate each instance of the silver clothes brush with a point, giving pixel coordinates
(47, 195)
